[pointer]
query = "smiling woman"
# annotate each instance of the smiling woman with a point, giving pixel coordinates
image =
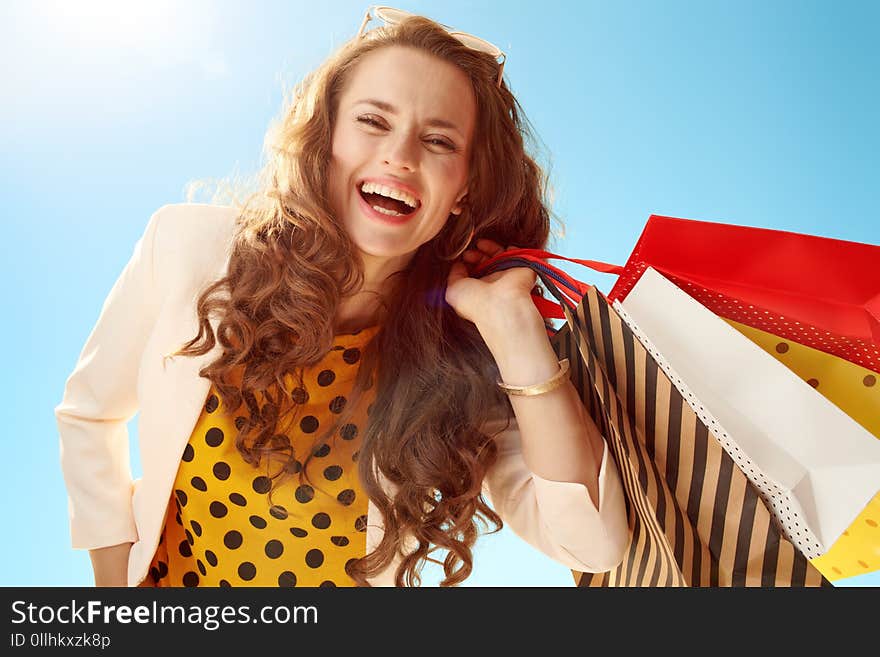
(413, 144)
(316, 372)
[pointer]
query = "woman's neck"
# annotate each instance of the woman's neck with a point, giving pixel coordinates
(363, 308)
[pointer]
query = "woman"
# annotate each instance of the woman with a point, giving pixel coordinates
(323, 390)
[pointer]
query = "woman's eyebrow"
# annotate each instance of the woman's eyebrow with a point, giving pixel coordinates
(388, 107)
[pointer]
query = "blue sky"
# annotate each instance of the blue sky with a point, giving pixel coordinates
(751, 113)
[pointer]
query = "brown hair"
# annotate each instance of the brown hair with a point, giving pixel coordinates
(292, 262)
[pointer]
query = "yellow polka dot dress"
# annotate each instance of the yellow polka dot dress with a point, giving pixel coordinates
(221, 530)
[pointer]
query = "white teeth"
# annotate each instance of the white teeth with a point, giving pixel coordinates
(388, 212)
(390, 192)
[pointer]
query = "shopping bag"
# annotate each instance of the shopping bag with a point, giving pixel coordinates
(853, 389)
(816, 467)
(694, 517)
(850, 387)
(821, 292)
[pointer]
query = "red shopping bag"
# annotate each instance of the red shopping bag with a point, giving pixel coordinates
(821, 292)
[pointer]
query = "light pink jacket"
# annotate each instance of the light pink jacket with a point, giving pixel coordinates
(122, 370)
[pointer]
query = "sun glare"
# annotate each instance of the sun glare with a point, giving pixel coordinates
(109, 24)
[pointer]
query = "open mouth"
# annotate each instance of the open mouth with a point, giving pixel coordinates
(388, 200)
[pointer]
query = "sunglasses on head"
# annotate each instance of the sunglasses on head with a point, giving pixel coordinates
(392, 16)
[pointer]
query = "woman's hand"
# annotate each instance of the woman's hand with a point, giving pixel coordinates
(110, 565)
(477, 299)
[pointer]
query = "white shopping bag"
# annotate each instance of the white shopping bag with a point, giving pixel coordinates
(814, 465)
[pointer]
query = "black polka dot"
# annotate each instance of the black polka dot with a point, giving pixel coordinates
(262, 485)
(258, 522)
(299, 395)
(321, 520)
(327, 584)
(212, 403)
(304, 494)
(361, 523)
(201, 567)
(274, 549)
(349, 564)
(181, 496)
(323, 450)
(287, 578)
(337, 404)
(237, 499)
(222, 470)
(214, 437)
(346, 497)
(247, 571)
(188, 453)
(349, 431)
(184, 549)
(154, 574)
(341, 541)
(299, 532)
(199, 484)
(197, 528)
(351, 356)
(293, 467)
(177, 519)
(225, 584)
(278, 511)
(314, 558)
(332, 472)
(309, 424)
(326, 377)
(189, 536)
(163, 569)
(218, 509)
(191, 579)
(232, 539)
(211, 558)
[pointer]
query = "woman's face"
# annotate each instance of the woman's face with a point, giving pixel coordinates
(405, 124)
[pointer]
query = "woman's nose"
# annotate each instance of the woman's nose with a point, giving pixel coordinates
(402, 152)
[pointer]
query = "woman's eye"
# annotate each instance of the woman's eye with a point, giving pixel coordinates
(369, 120)
(442, 142)
(434, 141)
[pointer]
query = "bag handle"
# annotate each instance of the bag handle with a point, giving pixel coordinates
(562, 286)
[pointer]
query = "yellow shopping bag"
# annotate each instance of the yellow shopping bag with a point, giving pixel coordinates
(856, 391)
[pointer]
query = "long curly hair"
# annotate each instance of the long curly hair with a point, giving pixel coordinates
(292, 262)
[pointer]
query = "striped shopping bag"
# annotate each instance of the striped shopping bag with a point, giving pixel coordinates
(694, 517)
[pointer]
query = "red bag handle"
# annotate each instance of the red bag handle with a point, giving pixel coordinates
(571, 290)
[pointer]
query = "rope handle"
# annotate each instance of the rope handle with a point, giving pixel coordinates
(567, 290)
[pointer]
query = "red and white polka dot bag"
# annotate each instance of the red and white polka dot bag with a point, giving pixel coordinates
(817, 291)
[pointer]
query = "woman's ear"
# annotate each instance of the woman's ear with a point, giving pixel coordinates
(459, 202)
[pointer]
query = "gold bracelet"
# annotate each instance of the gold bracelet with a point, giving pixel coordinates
(540, 388)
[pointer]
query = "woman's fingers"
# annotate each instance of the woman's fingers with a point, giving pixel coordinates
(489, 247)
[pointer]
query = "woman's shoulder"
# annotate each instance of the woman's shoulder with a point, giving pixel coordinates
(195, 237)
(196, 221)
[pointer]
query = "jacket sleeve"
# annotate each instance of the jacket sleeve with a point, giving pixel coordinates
(100, 397)
(557, 517)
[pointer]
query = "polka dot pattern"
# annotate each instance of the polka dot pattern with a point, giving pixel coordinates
(221, 527)
(857, 552)
(856, 350)
(850, 387)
